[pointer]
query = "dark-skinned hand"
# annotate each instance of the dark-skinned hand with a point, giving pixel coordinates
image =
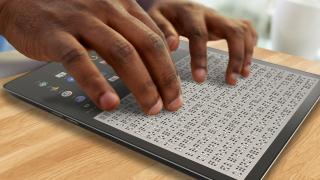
(200, 25)
(119, 30)
(127, 38)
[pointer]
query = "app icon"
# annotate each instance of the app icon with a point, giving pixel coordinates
(113, 78)
(70, 79)
(43, 84)
(66, 94)
(54, 88)
(87, 105)
(80, 99)
(94, 57)
(61, 75)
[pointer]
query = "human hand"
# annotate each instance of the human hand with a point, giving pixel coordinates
(119, 30)
(200, 25)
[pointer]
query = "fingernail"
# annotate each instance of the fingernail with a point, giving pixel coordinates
(200, 75)
(109, 101)
(175, 104)
(234, 78)
(156, 108)
(246, 71)
(171, 40)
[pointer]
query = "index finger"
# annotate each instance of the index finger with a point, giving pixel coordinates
(67, 50)
(154, 53)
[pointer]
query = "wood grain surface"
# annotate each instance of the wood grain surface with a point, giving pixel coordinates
(37, 145)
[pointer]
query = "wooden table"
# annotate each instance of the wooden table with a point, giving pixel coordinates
(37, 145)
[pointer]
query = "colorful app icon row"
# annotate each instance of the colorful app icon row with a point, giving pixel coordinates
(64, 75)
(64, 94)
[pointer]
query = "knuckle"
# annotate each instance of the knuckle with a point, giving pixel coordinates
(238, 58)
(170, 80)
(103, 3)
(245, 28)
(197, 32)
(248, 23)
(160, 28)
(71, 55)
(236, 30)
(123, 52)
(191, 5)
(154, 42)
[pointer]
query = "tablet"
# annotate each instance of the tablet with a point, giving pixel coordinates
(222, 132)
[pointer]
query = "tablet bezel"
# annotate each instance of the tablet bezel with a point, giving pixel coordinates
(165, 156)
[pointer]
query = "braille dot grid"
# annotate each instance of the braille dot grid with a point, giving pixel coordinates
(224, 128)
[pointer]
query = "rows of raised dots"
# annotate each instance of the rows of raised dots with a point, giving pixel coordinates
(224, 128)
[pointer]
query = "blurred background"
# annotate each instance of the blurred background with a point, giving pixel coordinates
(259, 12)
(290, 26)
